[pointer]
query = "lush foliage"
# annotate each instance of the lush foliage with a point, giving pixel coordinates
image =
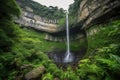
(73, 12)
(102, 63)
(44, 11)
(102, 59)
(41, 10)
(22, 50)
(29, 49)
(73, 8)
(8, 9)
(8, 31)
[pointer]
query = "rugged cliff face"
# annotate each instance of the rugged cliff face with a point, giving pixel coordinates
(97, 11)
(39, 17)
(30, 20)
(89, 12)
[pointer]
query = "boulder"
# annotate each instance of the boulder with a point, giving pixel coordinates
(35, 73)
(56, 79)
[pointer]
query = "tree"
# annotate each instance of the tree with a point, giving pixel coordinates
(8, 9)
(42, 10)
(8, 31)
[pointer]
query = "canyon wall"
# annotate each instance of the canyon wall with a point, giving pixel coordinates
(30, 20)
(97, 11)
(90, 12)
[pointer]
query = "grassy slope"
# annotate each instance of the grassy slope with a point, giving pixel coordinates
(35, 40)
(30, 49)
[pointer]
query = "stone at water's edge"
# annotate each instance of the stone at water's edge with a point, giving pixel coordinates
(35, 73)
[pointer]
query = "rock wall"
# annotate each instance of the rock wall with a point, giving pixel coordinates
(97, 11)
(90, 12)
(93, 30)
(28, 19)
(63, 38)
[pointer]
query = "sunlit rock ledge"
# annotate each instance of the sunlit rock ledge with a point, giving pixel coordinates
(49, 37)
(28, 19)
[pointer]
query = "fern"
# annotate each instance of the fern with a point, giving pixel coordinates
(48, 76)
(115, 57)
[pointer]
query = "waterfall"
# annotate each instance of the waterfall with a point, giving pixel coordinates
(68, 56)
(67, 32)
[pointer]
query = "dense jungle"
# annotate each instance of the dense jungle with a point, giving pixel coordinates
(33, 40)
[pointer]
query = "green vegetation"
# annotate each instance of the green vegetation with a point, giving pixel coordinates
(29, 49)
(73, 8)
(36, 41)
(73, 12)
(107, 34)
(8, 31)
(97, 65)
(22, 50)
(42, 10)
(102, 59)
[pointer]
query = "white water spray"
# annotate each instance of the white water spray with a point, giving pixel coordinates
(68, 55)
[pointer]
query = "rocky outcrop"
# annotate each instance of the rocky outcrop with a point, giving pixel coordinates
(30, 20)
(90, 12)
(35, 73)
(94, 30)
(97, 11)
(56, 79)
(62, 39)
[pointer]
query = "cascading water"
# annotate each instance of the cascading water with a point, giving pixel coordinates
(68, 56)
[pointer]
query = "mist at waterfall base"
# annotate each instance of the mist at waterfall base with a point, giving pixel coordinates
(68, 57)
